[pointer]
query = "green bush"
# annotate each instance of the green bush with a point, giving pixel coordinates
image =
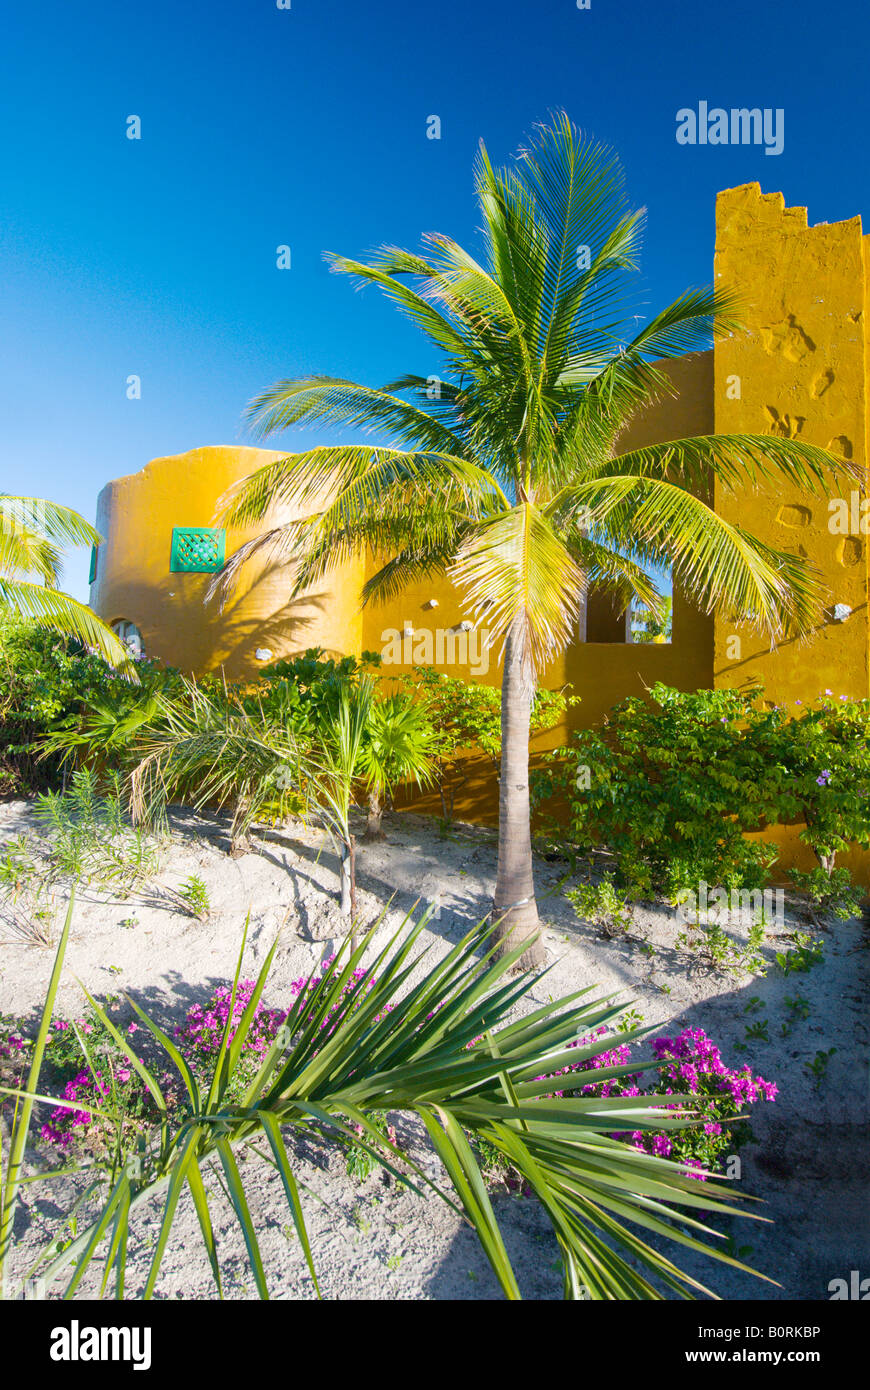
(88, 837)
(672, 784)
(57, 699)
(824, 754)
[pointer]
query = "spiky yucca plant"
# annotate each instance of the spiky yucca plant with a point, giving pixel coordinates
(13, 1146)
(363, 1042)
(506, 470)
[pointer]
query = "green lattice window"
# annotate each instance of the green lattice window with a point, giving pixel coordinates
(197, 548)
(92, 574)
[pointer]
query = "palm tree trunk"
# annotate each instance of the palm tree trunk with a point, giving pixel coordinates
(347, 877)
(374, 830)
(344, 879)
(514, 899)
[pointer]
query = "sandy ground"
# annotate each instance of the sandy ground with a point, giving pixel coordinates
(374, 1240)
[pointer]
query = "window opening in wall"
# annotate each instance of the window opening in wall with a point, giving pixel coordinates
(129, 634)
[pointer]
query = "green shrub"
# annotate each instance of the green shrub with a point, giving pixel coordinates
(832, 894)
(87, 836)
(194, 894)
(57, 699)
(601, 904)
(673, 784)
(825, 759)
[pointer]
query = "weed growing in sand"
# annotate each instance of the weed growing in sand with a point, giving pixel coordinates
(722, 952)
(360, 1162)
(737, 1252)
(799, 1010)
(807, 951)
(757, 1032)
(601, 904)
(194, 894)
(88, 838)
(817, 1069)
(27, 904)
(65, 1241)
(19, 868)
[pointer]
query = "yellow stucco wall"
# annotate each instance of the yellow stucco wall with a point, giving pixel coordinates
(136, 515)
(801, 372)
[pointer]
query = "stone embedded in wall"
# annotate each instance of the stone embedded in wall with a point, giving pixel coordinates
(842, 444)
(792, 514)
(786, 426)
(823, 383)
(849, 552)
(788, 338)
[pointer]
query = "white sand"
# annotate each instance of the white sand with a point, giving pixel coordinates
(374, 1241)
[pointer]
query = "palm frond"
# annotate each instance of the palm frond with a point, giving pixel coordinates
(717, 564)
(59, 524)
(407, 567)
(52, 609)
(459, 342)
(346, 403)
(357, 476)
(739, 461)
(29, 553)
(519, 577)
(619, 575)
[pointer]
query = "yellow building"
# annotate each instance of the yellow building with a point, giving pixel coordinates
(800, 371)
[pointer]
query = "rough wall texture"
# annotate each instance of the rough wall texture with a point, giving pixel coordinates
(801, 373)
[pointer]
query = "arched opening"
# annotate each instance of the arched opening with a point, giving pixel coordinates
(129, 634)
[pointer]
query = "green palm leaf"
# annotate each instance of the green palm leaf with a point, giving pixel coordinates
(32, 534)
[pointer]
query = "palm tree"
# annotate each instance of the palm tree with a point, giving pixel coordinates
(32, 533)
(397, 748)
(505, 471)
(338, 764)
(647, 626)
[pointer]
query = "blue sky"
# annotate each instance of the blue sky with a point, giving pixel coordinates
(307, 127)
